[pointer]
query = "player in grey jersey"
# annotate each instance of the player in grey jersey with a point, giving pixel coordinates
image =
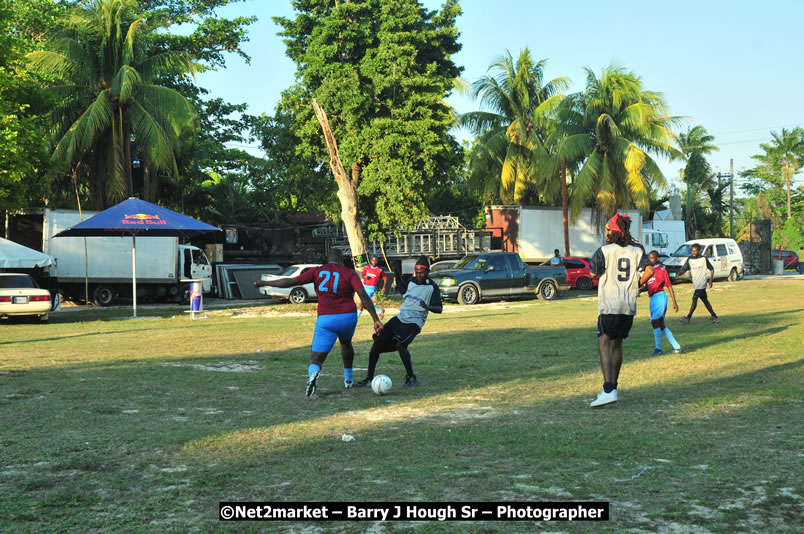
(419, 297)
(698, 265)
(617, 265)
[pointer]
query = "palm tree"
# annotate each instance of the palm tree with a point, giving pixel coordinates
(511, 134)
(695, 143)
(606, 138)
(787, 152)
(106, 68)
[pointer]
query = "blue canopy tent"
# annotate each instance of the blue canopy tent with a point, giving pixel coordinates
(135, 217)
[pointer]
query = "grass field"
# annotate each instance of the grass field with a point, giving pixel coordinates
(146, 425)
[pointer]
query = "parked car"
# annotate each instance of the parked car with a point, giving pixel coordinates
(20, 296)
(789, 257)
(442, 265)
(296, 294)
(577, 272)
(723, 253)
(499, 274)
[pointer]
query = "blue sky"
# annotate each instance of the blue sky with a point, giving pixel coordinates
(734, 67)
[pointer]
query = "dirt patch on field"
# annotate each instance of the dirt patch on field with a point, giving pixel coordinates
(248, 366)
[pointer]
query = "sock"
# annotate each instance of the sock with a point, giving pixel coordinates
(608, 387)
(669, 335)
(358, 313)
(657, 335)
(347, 374)
(405, 357)
(313, 368)
(374, 357)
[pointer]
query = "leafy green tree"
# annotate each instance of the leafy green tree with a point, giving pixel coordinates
(378, 72)
(290, 183)
(771, 181)
(107, 96)
(450, 194)
(23, 151)
(610, 131)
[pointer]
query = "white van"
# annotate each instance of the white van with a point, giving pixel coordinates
(723, 253)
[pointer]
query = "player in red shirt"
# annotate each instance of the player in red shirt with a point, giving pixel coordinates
(335, 286)
(658, 303)
(371, 275)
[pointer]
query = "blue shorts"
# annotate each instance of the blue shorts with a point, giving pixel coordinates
(658, 306)
(370, 290)
(328, 328)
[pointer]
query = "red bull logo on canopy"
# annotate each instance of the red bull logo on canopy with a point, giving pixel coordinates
(142, 219)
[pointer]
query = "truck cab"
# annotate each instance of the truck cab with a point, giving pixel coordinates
(195, 266)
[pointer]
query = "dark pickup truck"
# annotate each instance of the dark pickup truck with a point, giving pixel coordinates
(499, 274)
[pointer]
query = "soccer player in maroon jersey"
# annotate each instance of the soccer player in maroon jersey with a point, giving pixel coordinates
(372, 274)
(655, 285)
(335, 286)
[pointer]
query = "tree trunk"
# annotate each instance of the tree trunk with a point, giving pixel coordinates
(564, 207)
(789, 213)
(347, 190)
(127, 160)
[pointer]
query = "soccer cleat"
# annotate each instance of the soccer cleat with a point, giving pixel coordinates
(714, 320)
(347, 384)
(363, 383)
(679, 350)
(312, 383)
(657, 352)
(410, 381)
(604, 398)
(685, 320)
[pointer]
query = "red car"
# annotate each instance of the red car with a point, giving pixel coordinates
(789, 257)
(577, 272)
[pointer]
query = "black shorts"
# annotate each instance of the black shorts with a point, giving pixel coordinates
(615, 326)
(699, 294)
(395, 333)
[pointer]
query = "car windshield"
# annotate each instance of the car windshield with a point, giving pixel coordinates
(683, 251)
(471, 262)
(17, 281)
(289, 271)
(442, 267)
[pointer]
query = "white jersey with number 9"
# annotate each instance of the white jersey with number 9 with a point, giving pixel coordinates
(619, 281)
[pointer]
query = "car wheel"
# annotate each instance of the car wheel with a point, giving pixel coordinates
(468, 294)
(733, 275)
(103, 296)
(548, 290)
(298, 296)
(585, 284)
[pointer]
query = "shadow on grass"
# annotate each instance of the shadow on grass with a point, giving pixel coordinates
(104, 332)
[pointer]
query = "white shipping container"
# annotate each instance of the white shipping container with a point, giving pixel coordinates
(541, 231)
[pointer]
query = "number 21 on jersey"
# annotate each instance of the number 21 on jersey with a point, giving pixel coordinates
(326, 275)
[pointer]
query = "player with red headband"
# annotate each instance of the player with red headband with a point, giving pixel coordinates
(419, 297)
(617, 265)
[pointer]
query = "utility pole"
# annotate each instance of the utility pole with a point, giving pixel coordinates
(731, 198)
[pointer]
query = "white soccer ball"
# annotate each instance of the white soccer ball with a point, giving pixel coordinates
(381, 384)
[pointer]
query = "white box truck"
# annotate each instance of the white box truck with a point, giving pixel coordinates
(663, 236)
(105, 262)
(535, 232)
